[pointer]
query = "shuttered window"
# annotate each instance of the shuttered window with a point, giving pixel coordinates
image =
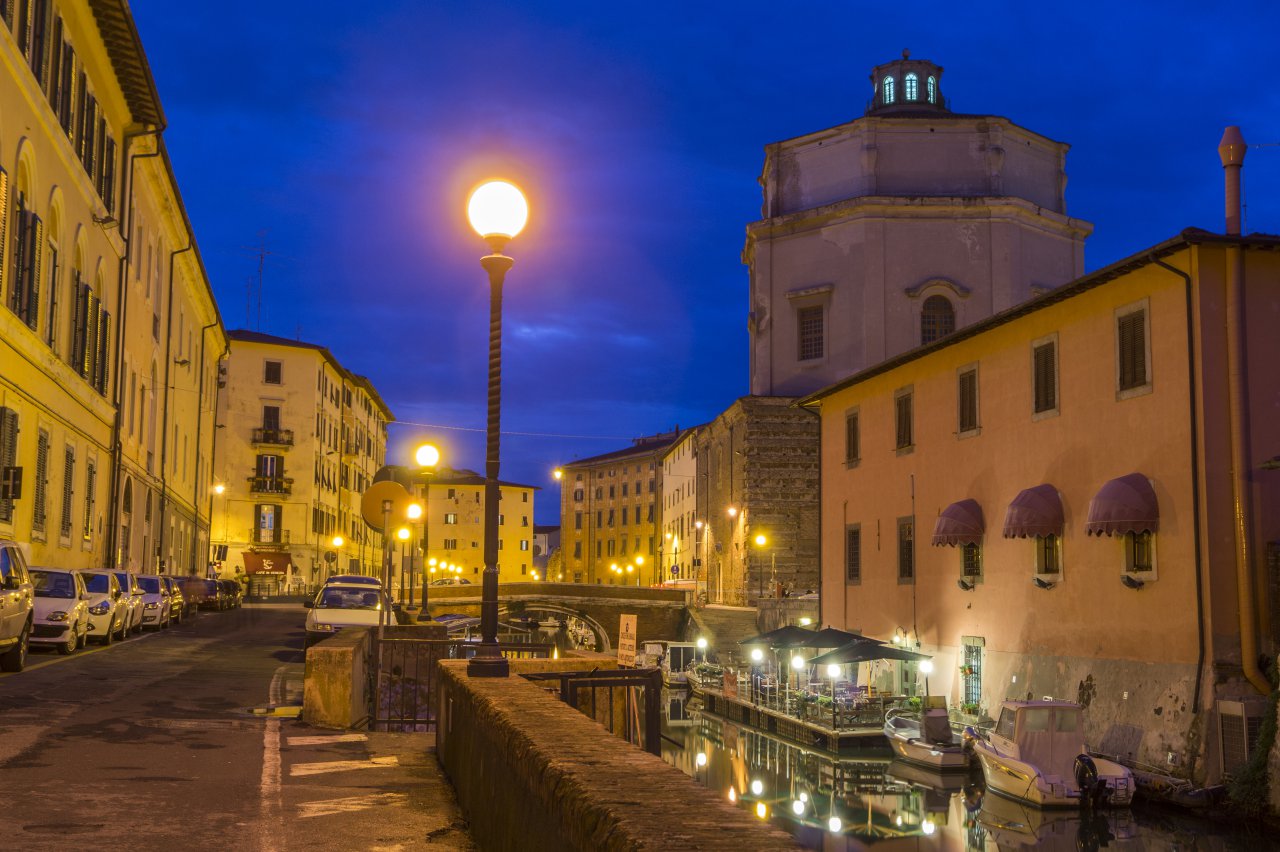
(38, 486)
(90, 494)
(1044, 362)
(1131, 349)
(51, 324)
(968, 400)
(68, 476)
(809, 336)
(853, 554)
(971, 561)
(903, 418)
(906, 550)
(852, 438)
(102, 360)
(8, 454)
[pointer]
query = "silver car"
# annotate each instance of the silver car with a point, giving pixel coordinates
(132, 595)
(108, 613)
(62, 610)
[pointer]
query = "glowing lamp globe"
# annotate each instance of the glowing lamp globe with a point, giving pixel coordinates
(797, 807)
(834, 824)
(219, 488)
(833, 671)
(338, 541)
(797, 662)
(926, 666)
(757, 787)
(403, 533)
(497, 209)
(756, 655)
(426, 456)
(414, 511)
(702, 643)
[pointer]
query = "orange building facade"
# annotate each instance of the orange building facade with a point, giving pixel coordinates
(1044, 500)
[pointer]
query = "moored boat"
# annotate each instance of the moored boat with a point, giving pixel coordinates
(925, 739)
(1036, 754)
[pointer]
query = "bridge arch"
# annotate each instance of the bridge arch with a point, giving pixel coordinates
(603, 644)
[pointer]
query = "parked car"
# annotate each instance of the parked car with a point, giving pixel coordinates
(195, 592)
(155, 601)
(17, 607)
(177, 601)
(213, 596)
(132, 596)
(108, 611)
(344, 605)
(451, 581)
(233, 593)
(61, 610)
(346, 579)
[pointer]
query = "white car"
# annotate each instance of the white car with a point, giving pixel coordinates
(131, 594)
(155, 601)
(62, 610)
(353, 579)
(342, 605)
(108, 613)
(451, 581)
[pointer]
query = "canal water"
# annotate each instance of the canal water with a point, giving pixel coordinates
(856, 801)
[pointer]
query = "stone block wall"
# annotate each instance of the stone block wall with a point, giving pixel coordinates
(534, 774)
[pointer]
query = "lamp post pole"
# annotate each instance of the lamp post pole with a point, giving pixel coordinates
(498, 212)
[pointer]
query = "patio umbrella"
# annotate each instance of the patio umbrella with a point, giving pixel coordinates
(789, 636)
(861, 652)
(833, 637)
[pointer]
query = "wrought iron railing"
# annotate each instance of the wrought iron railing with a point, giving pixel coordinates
(275, 536)
(271, 484)
(278, 437)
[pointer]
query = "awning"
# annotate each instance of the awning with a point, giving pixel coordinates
(861, 652)
(1034, 512)
(267, 563)
(789, 636)
(959, 523)
(1124, 505)
(834, 637)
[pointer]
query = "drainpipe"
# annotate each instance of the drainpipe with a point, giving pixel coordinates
(122, 301)
(195, 488)
(164, 414)
(1193, 411)
(1232, 150)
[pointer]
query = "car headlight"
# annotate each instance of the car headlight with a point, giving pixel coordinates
(322, 628)
(100, 608)
(57, 616)
(151, 606)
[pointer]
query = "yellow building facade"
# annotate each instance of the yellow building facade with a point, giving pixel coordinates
(455, 528)
(299, 440)
(94, 376)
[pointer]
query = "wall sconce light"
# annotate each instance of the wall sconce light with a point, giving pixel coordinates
(1131, 582)
(1042, 583)
(965, 585)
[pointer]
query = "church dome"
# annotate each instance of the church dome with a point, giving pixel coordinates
(907, 86)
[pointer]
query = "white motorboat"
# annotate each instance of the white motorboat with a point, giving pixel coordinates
(925, 739)
(1036, 754)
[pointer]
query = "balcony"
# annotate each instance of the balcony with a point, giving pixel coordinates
(274, 437)
(269, 539)
(271, 484)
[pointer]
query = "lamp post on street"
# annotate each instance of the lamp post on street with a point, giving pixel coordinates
(427, 457)
(498, 212)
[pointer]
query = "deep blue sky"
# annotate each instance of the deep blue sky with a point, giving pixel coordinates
(350, 134)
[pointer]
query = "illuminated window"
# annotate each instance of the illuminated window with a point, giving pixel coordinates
(887, 90)
(932, 87)
(937, 319)
(1139, 552)
(911, 87)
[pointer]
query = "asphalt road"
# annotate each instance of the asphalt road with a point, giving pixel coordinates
(154, 743)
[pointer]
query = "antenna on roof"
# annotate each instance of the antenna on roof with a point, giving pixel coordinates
(261, 251)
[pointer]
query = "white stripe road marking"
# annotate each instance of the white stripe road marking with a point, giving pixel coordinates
(333, 738)
(350, 804)
(269, 784)
(342, 765)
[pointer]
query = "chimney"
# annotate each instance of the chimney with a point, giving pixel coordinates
(1231, 149)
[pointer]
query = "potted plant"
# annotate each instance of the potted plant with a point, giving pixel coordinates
(966, 670)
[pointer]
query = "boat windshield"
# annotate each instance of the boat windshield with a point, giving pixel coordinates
(1008, 717)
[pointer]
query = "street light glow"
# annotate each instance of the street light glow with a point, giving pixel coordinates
(219, 488)
(797, 662)
(834, 824)
(697, 524)
(757, 787)
(497, 209)
(761, 541)
(338, 541)
(558, 473)
(414, 511)
(733, 511)
(427, 455)
(702, 643)
(926, 666)
(756, 655)
(403, 533)
(833, 671)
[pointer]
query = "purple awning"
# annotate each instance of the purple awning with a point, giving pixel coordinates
(1124, 505)
(959, 523)
(1034, 512)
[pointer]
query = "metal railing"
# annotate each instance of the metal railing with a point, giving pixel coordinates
(271, 484)
(280, 437)
(404, 675)
(641, 719)
(276, 536)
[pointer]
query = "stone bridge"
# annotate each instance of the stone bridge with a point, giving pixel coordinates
(660, 613)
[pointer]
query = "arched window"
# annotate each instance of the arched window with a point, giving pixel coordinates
(932, 84)
(887, 90)
(937, 319)
(911, 87)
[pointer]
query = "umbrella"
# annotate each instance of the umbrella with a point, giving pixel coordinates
(784, 637)
(832, 637)
(861, 652)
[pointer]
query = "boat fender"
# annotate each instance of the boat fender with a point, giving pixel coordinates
(1086, 772)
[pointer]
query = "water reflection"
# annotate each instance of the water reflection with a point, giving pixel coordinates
(853, 801)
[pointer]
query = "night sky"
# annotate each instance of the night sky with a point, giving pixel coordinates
(346, 136)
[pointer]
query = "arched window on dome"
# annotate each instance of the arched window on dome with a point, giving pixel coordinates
(886, 88)
(911, 87)
(937, 319)
(932, 85)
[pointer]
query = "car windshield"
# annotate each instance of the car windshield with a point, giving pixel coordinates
(355, 578)
(150, 585)
(100, 583)
(124, 581)
(53, 584)
(347, 599)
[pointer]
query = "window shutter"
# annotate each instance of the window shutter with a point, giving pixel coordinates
(90, 336)
(8, 453)
(68, 474)
(1133, 350)
(51, 325)
(35, 235)
(1045, 367)
(38, 492)
(851, 438)
(968, 401)
(109, 175)
(103, 359)
(40, 40)
(903, 407)
(90, 484)
(66, 87)
(4, 222)
(78, 308)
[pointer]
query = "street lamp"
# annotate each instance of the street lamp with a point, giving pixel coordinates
(761, 541)
(427, 457)
(498, 211)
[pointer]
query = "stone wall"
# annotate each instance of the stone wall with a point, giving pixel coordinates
(335, 681)
(534, 774)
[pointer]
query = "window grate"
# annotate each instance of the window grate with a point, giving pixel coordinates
(810, 333)
(853, 554)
